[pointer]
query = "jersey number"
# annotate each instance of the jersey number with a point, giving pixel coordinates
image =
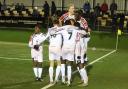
(70, 35)
(53, 36)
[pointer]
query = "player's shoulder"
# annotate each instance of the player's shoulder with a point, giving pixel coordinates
(62, 28)
(42, 34)
(52, 28)
(49, 29)
(74, 27)
(71, 27)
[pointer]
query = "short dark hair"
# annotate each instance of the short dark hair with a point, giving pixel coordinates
(69, 22)
(77, 24)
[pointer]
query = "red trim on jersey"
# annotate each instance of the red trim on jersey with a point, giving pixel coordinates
(78, 37)
(84, 23)
(64, 16)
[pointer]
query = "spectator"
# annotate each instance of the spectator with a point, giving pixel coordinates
(35, 13)
(97, 10)
(104, 8)
(4, 6)
(22, 7)
(53, 8)
(17, 7)
(46, 9)
(113, 8)
(87, 7)
(114, 22)
(121, 22)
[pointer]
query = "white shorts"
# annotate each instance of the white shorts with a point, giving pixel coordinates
(54, 53)
(79, 52)
(37, 55)
(81, 60)
(68, 54)
(86, 40)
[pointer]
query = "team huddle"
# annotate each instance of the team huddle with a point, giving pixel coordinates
(67, 44)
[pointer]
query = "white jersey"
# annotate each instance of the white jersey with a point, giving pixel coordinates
(55, 38)
(36, 39)
(70, 37)
(55, 43)
(80, 47)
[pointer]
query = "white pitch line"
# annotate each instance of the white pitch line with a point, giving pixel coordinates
(96, 60)
(25, 44)
(20, 59)
(101, 57)
(13, 58)
(47, 86)
(13, 43)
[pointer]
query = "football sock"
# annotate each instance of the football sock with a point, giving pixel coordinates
(57, 72)
(80, 73)
(84, 75)
(63, 72)
(40, 72)
(69, 70)
(51, 74)
(35, 69)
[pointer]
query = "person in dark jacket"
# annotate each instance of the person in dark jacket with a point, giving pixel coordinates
(97, 10)
(113, 8)
(87, 7)
(46, 9)
(114, 22)
(121, 22)
(53, 8)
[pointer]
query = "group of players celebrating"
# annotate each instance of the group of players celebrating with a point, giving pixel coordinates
(68, 40)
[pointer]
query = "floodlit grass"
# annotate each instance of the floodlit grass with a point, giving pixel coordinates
(18, 74)
(16, 65)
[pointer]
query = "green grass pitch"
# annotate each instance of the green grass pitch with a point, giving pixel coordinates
(16, 65)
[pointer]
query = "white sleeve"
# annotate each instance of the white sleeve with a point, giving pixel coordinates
(30, 44)
(42, 38)
(47, 35)
(83, 32)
